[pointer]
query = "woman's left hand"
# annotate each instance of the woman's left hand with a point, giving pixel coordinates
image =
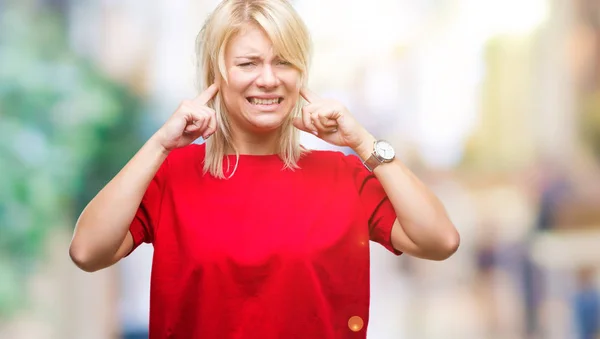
(330, 121)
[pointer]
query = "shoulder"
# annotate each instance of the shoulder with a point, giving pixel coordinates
(192, 151)
(330, 158)
(336, 164)
(184, 158)
(333, 167)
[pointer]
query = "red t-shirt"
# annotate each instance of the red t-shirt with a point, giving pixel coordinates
(268, 253)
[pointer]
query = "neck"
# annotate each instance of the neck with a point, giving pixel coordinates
(256, 144)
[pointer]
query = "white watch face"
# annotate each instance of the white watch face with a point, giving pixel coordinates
(385, 150)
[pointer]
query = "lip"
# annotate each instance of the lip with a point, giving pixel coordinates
(265, 108)
(265, 97)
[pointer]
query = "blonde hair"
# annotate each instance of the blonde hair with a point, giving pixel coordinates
(291, 41)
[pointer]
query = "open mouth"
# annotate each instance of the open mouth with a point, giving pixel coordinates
(264, 102)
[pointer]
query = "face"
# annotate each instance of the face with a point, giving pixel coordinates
(262, 88)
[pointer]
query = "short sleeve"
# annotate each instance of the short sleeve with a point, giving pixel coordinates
(379, 209)
(146, 218)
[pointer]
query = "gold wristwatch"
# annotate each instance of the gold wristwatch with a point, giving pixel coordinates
(382, 152)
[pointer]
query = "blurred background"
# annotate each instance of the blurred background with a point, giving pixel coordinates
(494, 103)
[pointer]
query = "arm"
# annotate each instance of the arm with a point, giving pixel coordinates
(422, 228)
(101, 236)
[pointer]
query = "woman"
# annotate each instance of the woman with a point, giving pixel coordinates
(254, 236)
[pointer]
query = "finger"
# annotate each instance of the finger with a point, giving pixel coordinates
(194, 122)
(317, 122)
(193, 117)
(332, 112)
(308, 95)
(204, 97)
(330, 123)
(211, 125)
(204, 121)
(299, 124)
(326, 121)
(326, 115)
(326, 125)
(306, 116)
(328, 118)
(205, 116)
(191, 128)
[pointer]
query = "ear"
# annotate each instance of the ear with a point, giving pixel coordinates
(218, 79)
(302, 80)
(221, 72)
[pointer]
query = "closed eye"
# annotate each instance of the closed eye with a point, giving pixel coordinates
(246, 64)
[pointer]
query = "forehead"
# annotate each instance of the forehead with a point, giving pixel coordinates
(250, 40)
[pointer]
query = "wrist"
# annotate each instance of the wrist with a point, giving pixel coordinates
(157, 146)
(365, 148)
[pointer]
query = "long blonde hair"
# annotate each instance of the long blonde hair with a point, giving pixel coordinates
(290, 39)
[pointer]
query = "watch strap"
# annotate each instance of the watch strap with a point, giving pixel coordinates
(372, 162)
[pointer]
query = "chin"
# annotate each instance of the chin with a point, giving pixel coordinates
(265, 123)
(261, 121)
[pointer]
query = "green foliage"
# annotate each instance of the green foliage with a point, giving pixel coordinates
(65, 129)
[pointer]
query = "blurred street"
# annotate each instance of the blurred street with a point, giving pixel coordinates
(493, 103)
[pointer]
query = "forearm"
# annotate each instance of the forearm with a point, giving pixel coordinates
(104, 223)
(420, 213)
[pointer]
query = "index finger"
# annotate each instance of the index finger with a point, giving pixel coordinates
(204, 97)
(308, 95)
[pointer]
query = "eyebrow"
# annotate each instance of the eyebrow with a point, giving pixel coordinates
(251, 57)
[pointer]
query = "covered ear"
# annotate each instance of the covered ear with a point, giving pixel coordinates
(302, 81)
(221, 70)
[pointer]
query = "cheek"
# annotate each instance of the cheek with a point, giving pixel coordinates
(233, 94)
(292, 83)
(292, 80)
(239, 80)
(293, 96)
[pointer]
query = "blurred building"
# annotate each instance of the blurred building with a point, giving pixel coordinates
(495, 104)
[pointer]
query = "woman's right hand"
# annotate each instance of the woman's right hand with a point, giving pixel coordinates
(193, 119)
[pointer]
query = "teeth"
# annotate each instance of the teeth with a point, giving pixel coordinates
(256, 101)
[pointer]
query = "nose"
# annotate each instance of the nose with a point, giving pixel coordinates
(267, 78)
